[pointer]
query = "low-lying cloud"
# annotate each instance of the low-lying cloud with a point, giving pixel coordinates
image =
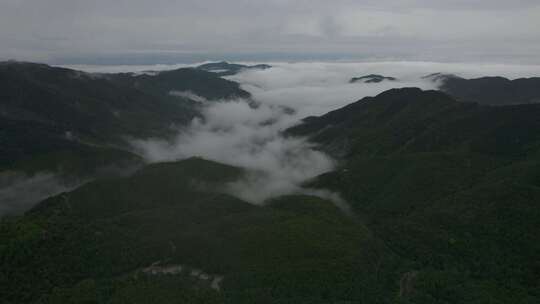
(189, 95)
(235, 133)
(238, 134)
(315, 88)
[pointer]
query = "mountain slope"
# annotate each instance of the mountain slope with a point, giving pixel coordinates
(97, 240)
(411, 120)
(72, 126)
(87, 103)
(202, 83)
(49, 112)
(452, 186)
(497, 91)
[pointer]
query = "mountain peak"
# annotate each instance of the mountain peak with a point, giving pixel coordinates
(224, 68)
(371, 78)
(410, 93)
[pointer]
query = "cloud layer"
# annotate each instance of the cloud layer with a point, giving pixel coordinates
(315, 88)
(162, 30)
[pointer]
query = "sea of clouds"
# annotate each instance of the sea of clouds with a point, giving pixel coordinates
(235, 133)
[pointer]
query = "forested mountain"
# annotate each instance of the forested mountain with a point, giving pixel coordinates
(452, 186)
(96, 243)
(57, 115)
(497, 91)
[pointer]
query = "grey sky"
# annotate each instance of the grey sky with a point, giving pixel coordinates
(72, 31)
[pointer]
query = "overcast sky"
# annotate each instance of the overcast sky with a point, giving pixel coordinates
(164, 31)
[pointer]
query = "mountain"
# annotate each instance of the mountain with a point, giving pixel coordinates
(55, 115)
(452, 186)
(224, 68)
(197, 81)
(115, 241)
(372, 78)
(495, 91)
(412, 120)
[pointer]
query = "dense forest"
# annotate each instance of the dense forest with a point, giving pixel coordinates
(440, 199)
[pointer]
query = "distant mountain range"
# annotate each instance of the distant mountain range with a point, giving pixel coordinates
(496, 91)
(372, 78)
(224, 68)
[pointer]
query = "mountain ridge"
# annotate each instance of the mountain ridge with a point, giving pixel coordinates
(224, 68)
(489, 90)
(77, 110)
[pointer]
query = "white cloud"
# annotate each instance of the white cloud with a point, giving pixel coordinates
(315, 88)
(505, 30)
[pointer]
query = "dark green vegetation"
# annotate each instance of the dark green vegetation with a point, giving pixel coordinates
(197, 81)
(497, 91)
(445, 199)
(453, 187)
(61, 117)
(224, 68)
(88, 245)
(372, 78)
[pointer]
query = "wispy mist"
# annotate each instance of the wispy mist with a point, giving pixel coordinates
(237, 134)
(19, 191)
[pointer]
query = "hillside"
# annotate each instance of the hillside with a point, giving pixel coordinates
(411, 120)
(497, 91)
(55, 114)
(95, 242)
(193, 80)
(452, 186)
